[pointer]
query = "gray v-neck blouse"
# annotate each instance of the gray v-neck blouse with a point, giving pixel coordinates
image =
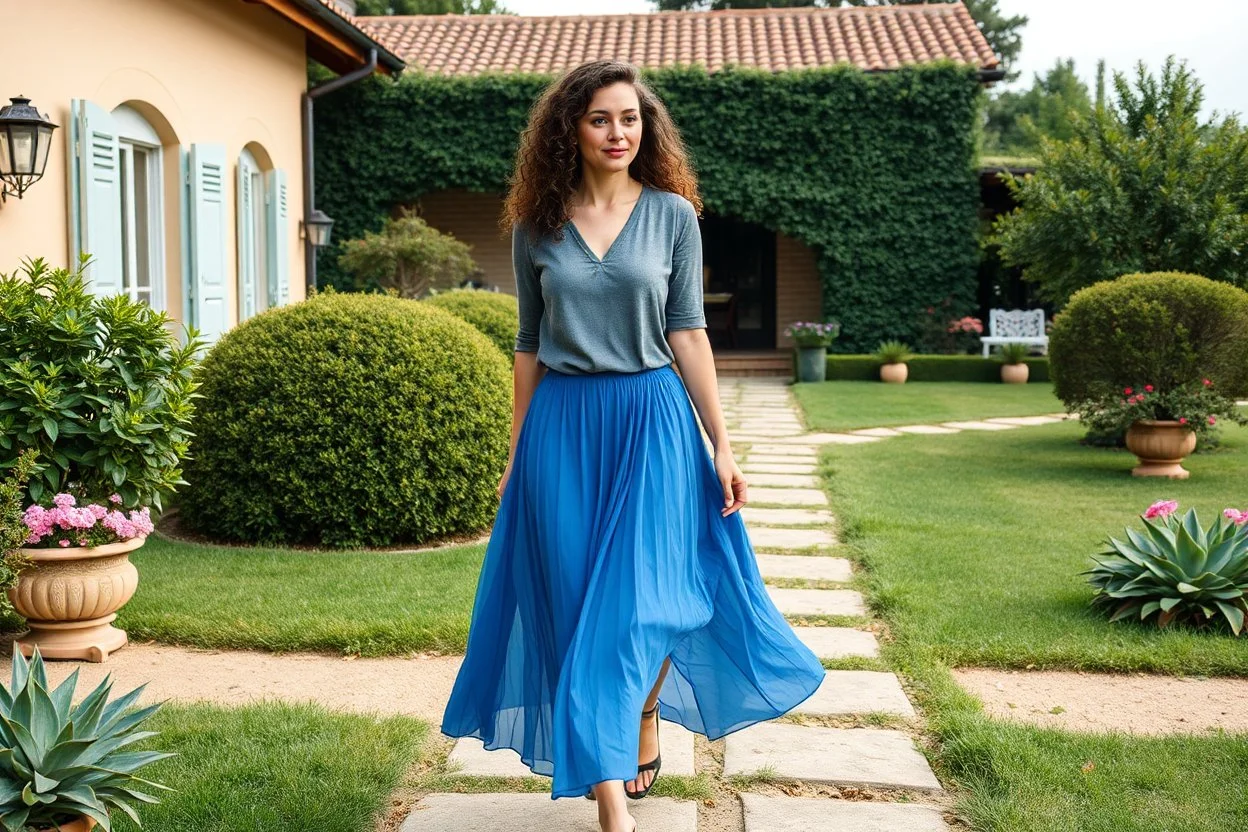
(582, 314)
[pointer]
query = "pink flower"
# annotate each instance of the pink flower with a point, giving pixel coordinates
(63, 542)
(1148, 388)
(1239, 518)
(1206, 382)
(114, 498)
(1127, 392)
(63, 500)
(1161, 508)
(1182, 420)
(1212, 421)
(98, 511)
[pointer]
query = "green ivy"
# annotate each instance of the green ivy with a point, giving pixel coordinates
(874, 171)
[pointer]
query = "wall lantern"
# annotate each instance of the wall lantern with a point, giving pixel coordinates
(25, 137)
(316, 228)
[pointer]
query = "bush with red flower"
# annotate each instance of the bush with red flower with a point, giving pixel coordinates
(1197, 405)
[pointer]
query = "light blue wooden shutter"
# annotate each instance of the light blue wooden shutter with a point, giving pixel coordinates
(246, 243)
(208, 239)
(279, 240)
(95, 183)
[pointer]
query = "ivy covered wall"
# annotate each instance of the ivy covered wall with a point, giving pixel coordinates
(874, 171)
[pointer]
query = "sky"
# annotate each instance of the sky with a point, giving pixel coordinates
(1210, 34)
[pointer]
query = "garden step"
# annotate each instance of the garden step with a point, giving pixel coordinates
(764, 537)
(805, 814)
(848, 692)
(926, 429)
(778, 468)
(810, 567)
(538, 813)
(880, 432)
(785, 517)
(977, 426)
(817, 601)
(838, 642)
(675, 740)
(784, 480)
(789, 496)
(840, 756)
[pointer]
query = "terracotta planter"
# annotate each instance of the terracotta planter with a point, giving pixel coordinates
(894, 373)
(1160, 446)
(1015, 373)
(70, 598)
(81, 824)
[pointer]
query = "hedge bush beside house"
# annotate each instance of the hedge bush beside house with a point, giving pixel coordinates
(349, 420)
(495, 314)
(931, 368)
(892, 220)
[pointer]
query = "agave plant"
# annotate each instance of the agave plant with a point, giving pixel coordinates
(58, 763)
(1177, 570)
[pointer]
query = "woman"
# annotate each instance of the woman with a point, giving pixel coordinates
(619, 584)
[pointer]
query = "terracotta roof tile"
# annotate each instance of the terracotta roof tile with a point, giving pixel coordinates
(873, 38)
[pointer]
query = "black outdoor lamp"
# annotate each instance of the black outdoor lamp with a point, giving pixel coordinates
(317, 227)
(25, 137)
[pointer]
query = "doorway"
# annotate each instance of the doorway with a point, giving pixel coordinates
(739, 284)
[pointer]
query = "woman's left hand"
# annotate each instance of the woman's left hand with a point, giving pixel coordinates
(732, 481)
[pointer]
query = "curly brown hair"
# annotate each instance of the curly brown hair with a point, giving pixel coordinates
(548, 163)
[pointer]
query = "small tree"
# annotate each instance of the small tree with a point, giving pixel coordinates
(408, 256)
(1143, 186)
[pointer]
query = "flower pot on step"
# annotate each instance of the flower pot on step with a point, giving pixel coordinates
(1160, 447)
(1015, 373)
(70, 598)
(894, 373)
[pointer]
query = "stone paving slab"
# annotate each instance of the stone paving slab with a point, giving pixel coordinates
(804, 460)
(778, 468)
(770, 449)
(767, 434)
(926, 429)
(786, 517)
(1024, 421)
(842, 756)
(829, 439)
(675, 742)
(817, 601)
(814, 814)
(880, 432)
(768, 538)
(848, 692)
(538, 813)
(785, 480)
(838, 642)
(977, 426)
(789, 496)
(811, 567)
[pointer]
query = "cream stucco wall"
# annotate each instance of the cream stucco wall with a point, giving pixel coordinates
(214, 71)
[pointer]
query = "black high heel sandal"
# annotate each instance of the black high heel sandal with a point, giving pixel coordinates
(655, 764)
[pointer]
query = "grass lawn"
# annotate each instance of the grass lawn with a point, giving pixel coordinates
(371, 604)
(273, 767)
(847, 405)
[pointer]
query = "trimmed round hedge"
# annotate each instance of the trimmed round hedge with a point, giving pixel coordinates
(348, 420)
(1163, 328)
(496, 314)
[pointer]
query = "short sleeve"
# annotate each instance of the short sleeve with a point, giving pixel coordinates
(684, 293)
(528, 291)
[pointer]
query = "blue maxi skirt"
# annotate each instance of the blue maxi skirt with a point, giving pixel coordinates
(608, 555)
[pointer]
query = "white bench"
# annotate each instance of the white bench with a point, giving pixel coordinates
(1015, 326)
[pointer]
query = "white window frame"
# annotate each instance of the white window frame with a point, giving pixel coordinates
(134, 132)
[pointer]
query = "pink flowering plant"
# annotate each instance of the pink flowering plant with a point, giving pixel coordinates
(813, 333)
(67, 523)
(1176, 571)
(1198, 405)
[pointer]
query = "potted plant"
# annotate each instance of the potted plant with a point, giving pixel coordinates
(1013, 368)
(1162, 426)
(812, 341)
(63, 767)
(893, 356)
(102, 390)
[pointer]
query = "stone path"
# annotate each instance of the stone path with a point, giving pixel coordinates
(792, 533)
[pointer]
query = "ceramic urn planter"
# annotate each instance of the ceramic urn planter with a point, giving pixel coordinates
(82, 823)
(1161, 447)
(1015, 373)
(70, 598)
(894, 373)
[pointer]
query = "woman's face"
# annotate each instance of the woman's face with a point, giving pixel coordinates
(609, 133)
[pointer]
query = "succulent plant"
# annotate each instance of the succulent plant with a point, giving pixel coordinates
(1176, 570)
(893, 352)
(58, 762)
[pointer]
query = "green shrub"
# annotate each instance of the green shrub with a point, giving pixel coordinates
(99, 386)
(932, 368)
(349, 420)
(1163, 329)
(495, 314)
(409, 257)
(13, 532)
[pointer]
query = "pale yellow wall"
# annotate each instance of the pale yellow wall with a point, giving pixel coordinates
(214, 71)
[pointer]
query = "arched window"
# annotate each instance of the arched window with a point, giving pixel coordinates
(263, 267)
(142, 207)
